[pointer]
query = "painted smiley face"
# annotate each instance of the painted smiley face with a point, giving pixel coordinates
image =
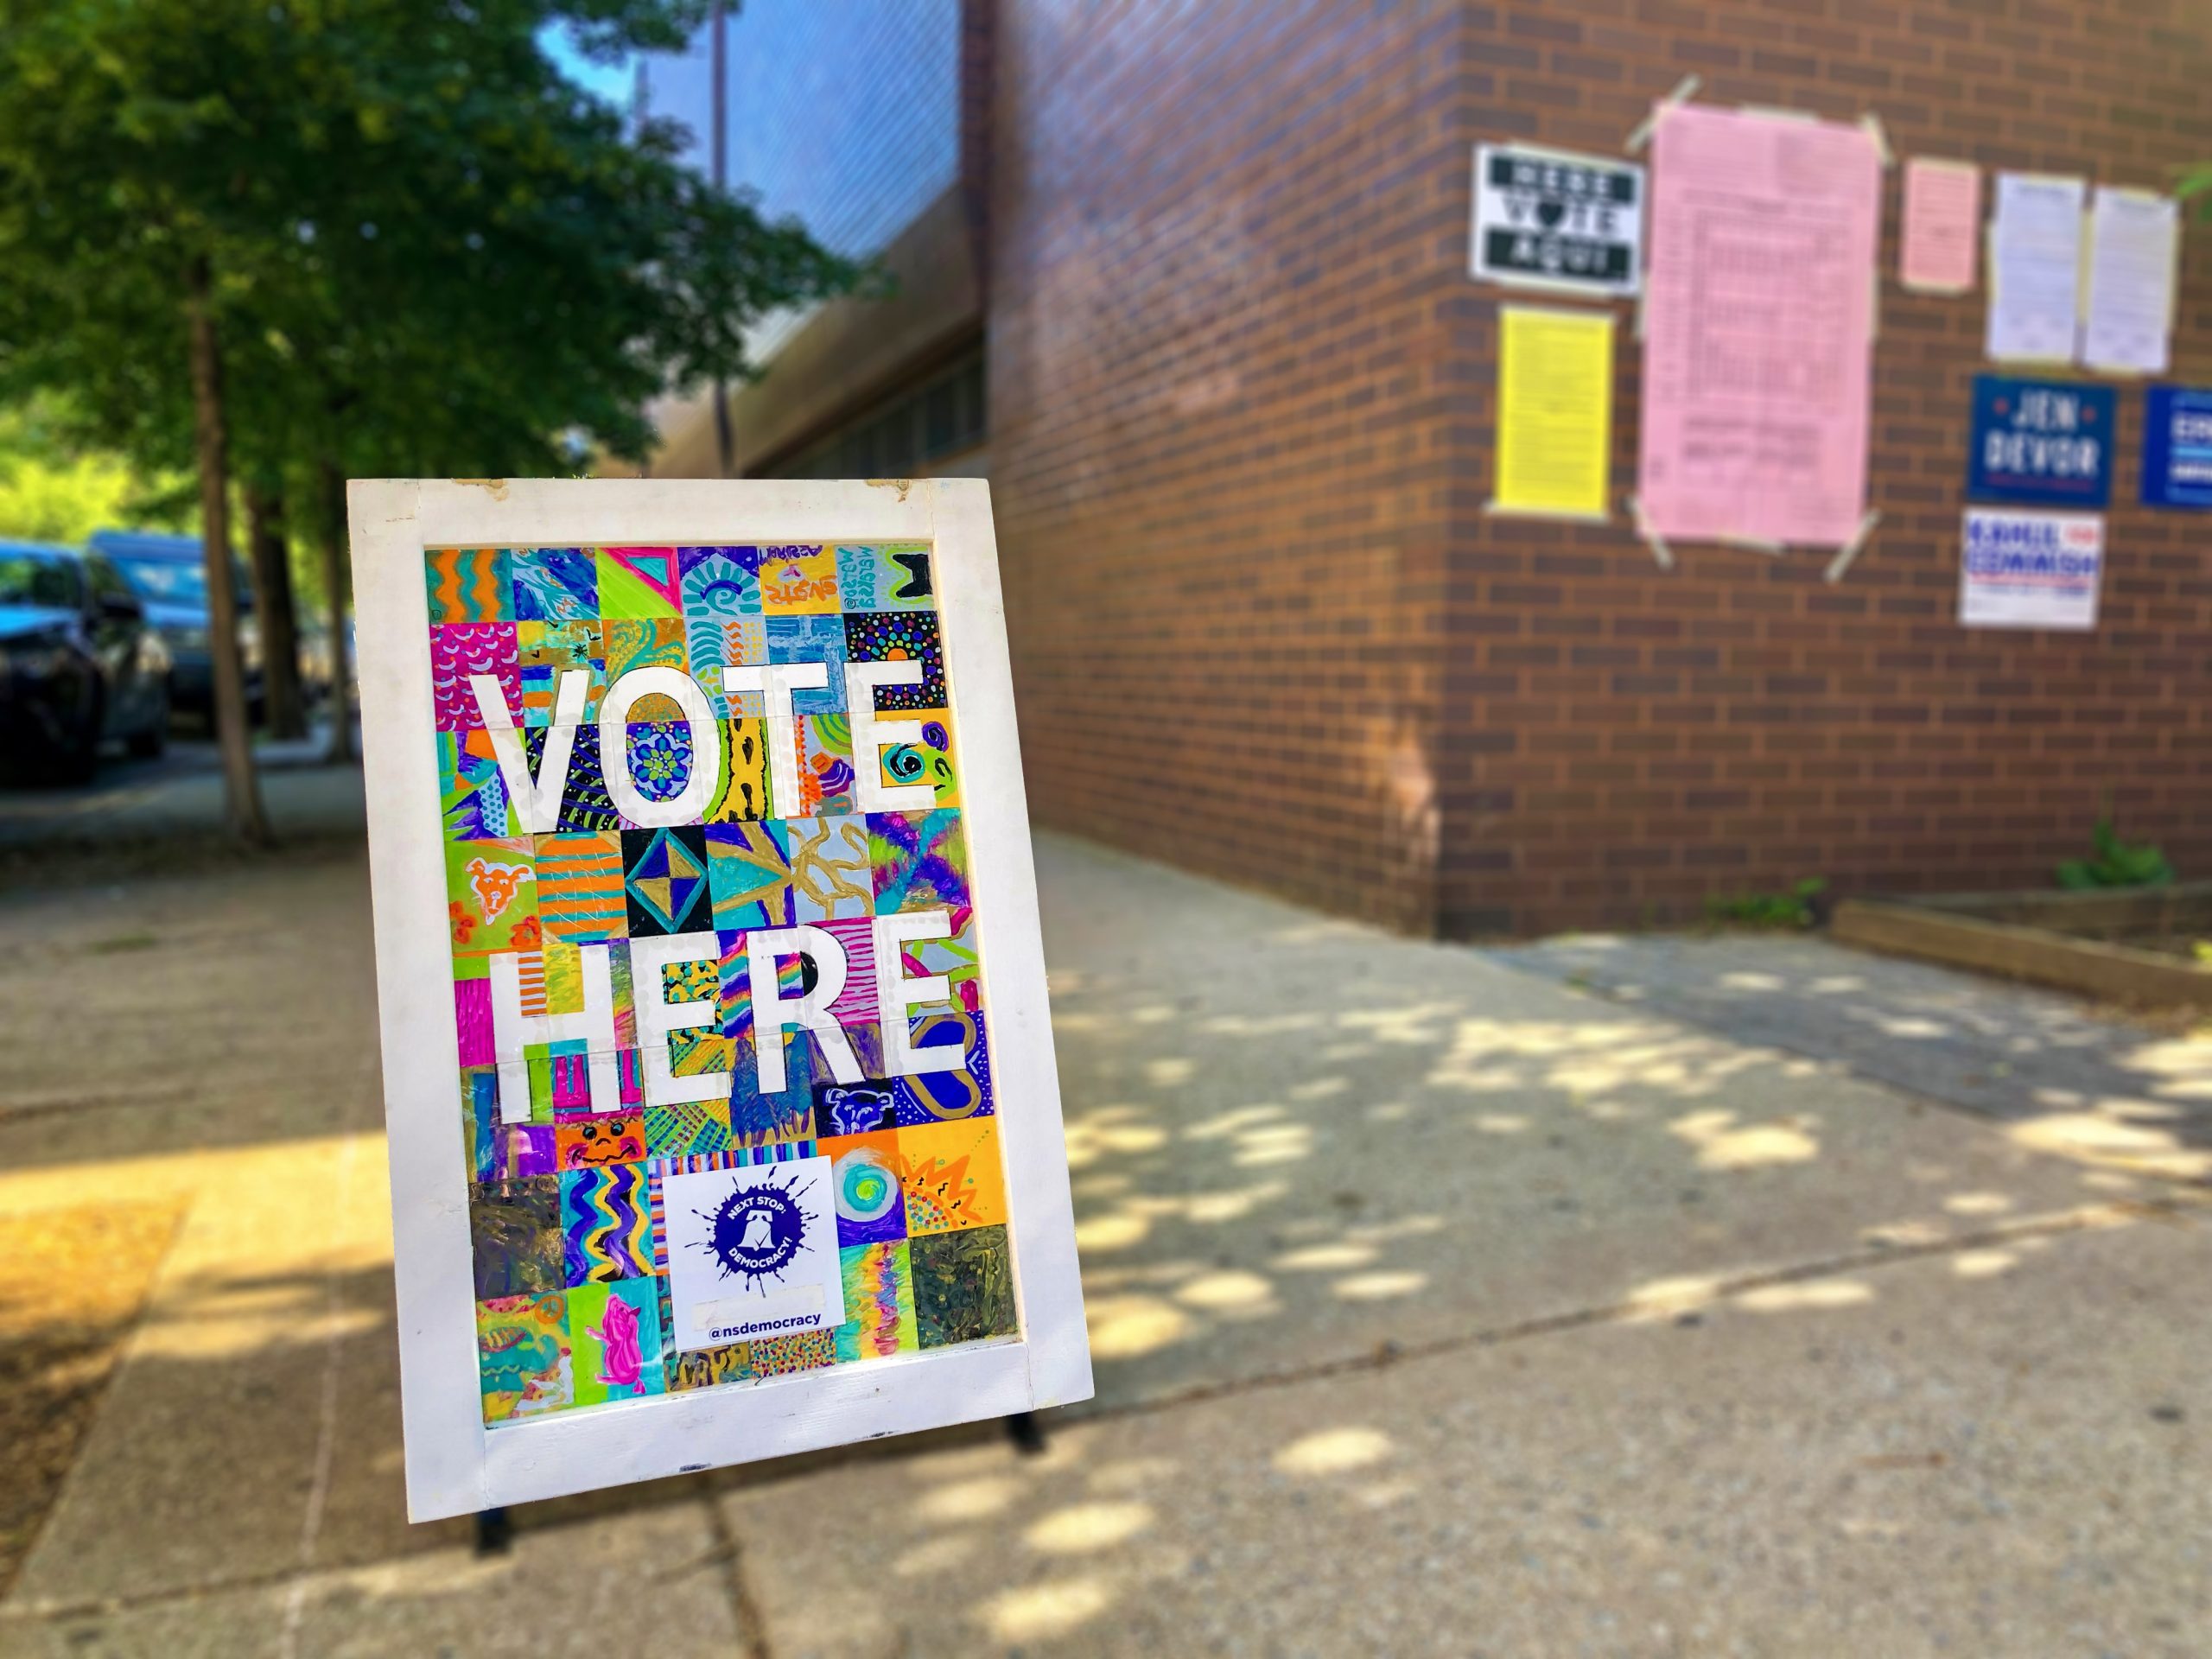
(609, 1141)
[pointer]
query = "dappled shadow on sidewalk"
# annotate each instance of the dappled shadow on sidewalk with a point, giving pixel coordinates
(251, 1448)
(1845, 1464)
(1294, 1139)
(1300, 1149)
(2127, 1091)
(75, 1282)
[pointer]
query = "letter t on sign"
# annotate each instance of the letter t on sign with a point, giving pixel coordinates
(776, 682)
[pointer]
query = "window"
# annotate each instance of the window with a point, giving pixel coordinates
(913, 428)
(45, 580)
(107, 580)
(167, 582)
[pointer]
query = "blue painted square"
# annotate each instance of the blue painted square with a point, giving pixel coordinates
(2046, 442)
(812, 639)
(554, 584)
(943, 1096)
(719, 583)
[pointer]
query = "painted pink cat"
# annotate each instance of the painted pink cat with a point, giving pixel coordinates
(620, 1362)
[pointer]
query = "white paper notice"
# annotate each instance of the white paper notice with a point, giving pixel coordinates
(2133, 237)
(1757, 353)
(2035, 267)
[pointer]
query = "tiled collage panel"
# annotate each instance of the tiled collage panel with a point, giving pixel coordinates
(567, 1210)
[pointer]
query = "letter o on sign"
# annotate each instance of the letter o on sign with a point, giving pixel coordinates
(689, 805)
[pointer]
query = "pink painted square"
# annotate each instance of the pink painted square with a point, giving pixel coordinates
(460, 651)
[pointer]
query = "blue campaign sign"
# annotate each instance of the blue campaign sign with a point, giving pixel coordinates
(2178, 447)
(2048, 441)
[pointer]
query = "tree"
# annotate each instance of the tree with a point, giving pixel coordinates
(271, 566)
(115, 242)
(569, 275)
(358, 236)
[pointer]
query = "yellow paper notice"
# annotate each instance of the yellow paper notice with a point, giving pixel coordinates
(1555, 411)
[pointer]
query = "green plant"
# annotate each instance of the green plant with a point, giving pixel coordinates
(2196, 182)
(2116, 864)
(1790, 909)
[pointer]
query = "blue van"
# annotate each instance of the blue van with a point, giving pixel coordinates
(169, 575)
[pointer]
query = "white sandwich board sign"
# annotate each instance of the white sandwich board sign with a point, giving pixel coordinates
(718, 1065)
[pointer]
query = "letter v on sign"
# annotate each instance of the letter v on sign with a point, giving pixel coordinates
(538, 800)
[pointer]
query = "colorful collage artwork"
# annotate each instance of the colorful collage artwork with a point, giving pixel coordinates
(724, 1063)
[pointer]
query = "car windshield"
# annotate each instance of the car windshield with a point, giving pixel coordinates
(47, 579)
(166, 582)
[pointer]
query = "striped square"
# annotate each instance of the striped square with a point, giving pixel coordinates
(469, 584)
(580, 897)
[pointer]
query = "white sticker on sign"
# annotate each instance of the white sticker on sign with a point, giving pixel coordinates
(752, 1253)
(2030, 570)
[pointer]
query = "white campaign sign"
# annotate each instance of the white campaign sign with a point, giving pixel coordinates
(2020, 570)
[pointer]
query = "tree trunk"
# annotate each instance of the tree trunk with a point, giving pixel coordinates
(331, 482)
(280, 627)
(241, 788)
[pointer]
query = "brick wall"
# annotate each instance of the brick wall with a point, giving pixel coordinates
(1242, 396)
(1219, 406)
(1618, 742)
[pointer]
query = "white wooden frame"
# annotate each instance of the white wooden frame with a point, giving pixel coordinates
(455, 1464)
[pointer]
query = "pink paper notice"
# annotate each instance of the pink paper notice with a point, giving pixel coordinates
(1943, 226)
(1758, 327)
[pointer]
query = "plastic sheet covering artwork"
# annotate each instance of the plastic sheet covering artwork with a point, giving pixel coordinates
(655, 825)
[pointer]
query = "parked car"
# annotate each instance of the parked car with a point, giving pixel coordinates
(170, 575)
(79, 661)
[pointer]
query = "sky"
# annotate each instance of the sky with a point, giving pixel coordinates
(609, 81)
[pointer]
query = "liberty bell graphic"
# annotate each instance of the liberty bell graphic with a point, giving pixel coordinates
(757, 1236)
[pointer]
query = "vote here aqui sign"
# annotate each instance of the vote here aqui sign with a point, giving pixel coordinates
(717, 1062)
(1551, 219)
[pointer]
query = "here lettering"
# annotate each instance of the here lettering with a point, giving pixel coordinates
(538, 800)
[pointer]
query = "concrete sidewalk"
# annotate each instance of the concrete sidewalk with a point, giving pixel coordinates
(1438, 1307)
(179, 797)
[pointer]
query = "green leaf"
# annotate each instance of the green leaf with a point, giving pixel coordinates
(2116, 864)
